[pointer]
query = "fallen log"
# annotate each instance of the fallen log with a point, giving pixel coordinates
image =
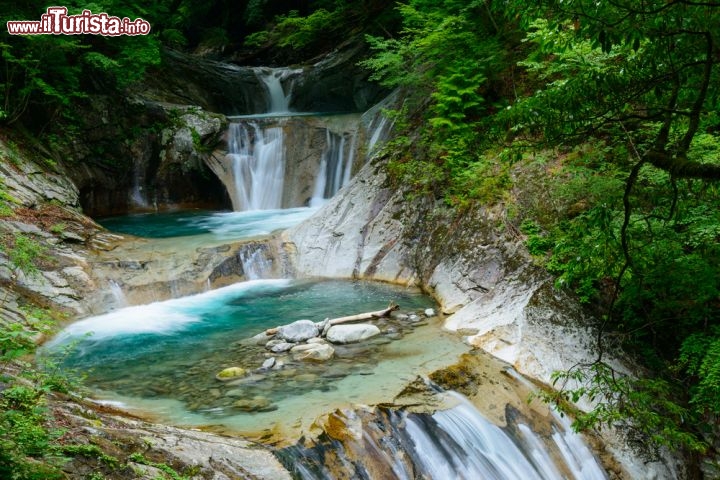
(365, 316)
(351, 318)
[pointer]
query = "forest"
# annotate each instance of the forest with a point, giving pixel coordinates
(608, 113)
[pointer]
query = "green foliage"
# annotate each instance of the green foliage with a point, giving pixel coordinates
(643, 408)
(164, 467)
(446, 55)
(23, 253)
(621, 99)
(298, 32)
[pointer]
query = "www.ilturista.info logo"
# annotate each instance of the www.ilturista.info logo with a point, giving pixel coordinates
(57, 22)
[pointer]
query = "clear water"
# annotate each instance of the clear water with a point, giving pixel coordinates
(222, 225)
(162, 358)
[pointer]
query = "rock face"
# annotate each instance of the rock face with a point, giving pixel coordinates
(351, 333)
(337, 84)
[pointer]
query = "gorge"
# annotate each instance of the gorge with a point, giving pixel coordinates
(186, 228)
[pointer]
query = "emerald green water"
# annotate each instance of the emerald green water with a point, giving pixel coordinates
(161, 359)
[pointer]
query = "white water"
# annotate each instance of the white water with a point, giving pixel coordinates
(335, 167)
(236, 225)
(258, 160)
(273, 79)
(378, 132)
(255, 263)
(473, 448)
(118, 294)
(164, 317)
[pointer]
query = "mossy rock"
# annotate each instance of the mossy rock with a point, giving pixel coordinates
(230, 373)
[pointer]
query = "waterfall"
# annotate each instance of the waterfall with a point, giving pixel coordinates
(335, 167)
(378, 132)
(118, 295)
(258, 163)
(273, 78)
(255, 263)
(457, 443)
(137, 197)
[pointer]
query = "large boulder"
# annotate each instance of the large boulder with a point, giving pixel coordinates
(298, 331)
(351, 333)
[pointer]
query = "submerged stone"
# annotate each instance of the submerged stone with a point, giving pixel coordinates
(314, 352)
(230, 373)
(281, 347)
(254, 404)
(351, 333)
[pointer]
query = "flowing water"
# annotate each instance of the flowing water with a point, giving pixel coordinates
(258, 159)
(216, 225)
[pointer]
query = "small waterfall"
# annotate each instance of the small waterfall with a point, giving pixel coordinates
(377, 132)
(118, 295)
(335, 167)
(255, 263)
(137, 197)
(273, 79)
(258, 162)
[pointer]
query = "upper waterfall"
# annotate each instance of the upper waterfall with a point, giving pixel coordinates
(273, 78)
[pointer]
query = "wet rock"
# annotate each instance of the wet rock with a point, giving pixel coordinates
(313, 352)
(413, 318)
(268, 363)
(247, 380)
(281, 347)
(254, 404)
(351, 333)
(298, 331)
(259, 339)
(306, 377)
(230, 374)
(429, 312)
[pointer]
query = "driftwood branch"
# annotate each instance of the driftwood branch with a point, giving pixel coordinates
(351, 318)
(365, 316)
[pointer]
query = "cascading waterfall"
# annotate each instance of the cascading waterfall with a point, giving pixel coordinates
(335, 167)
(458, 443)
(258, 165)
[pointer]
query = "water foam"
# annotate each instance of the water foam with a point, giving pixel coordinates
(161, 318)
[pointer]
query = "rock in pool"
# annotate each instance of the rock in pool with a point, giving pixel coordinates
(351, 333)
(230, 374)
(298, 331)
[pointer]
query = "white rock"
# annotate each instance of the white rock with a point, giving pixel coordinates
(298, 331)
(351, 333)
(429, 312)
(281, 347)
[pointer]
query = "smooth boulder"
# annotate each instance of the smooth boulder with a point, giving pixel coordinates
(351, 333)
(298, 331)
